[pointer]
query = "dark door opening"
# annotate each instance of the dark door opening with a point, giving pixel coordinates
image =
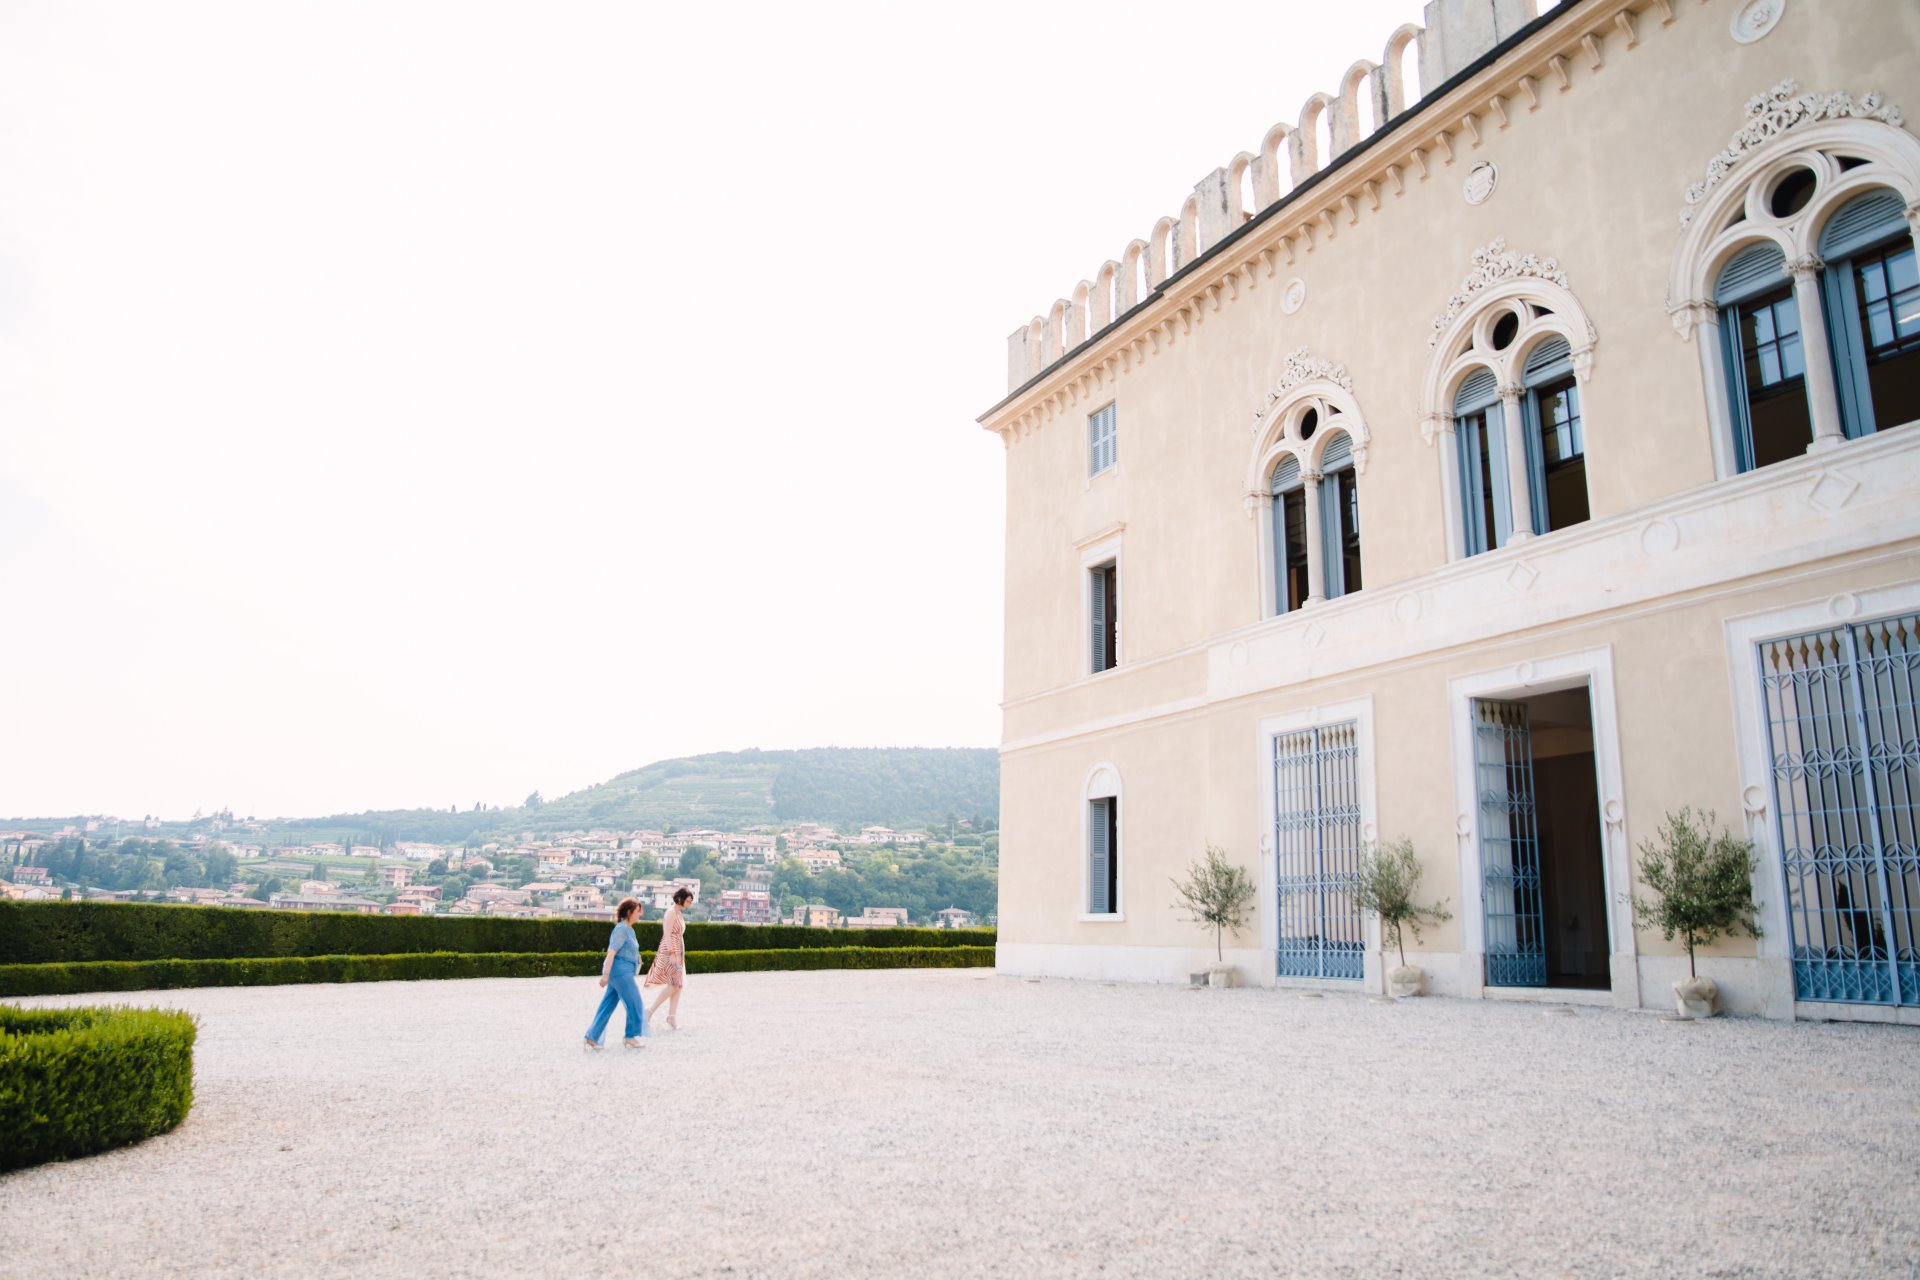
(1545, 891)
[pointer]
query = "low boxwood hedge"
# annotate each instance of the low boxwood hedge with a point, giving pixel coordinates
(840, 958)
(80, 932)
(155, 975)
(77, 1081)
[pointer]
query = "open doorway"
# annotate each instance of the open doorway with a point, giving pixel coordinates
(1544, 890)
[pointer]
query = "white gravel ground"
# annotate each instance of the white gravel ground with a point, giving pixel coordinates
(958, 1123)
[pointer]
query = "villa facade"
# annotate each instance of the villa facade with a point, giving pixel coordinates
(1519, 449)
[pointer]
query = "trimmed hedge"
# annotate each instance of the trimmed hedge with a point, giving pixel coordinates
(156, 975)
(80, 932)
(840, 958)
(77, 1081)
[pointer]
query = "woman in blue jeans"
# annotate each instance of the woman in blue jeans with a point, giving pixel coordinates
(616, 979)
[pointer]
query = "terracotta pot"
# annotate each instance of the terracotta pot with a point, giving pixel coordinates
(1696, 997)
(1405, 980)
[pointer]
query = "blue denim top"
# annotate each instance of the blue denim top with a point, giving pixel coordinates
(624, 944)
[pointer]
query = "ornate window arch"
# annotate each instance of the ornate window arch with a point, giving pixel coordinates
(1810, 209)
(1503, 396)
(1302, 484)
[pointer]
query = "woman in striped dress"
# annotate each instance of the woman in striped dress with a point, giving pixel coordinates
(670, 961)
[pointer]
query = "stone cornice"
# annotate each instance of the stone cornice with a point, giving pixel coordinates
(1562, 55)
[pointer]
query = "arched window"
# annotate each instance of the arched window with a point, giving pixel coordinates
(1310, 449)
(1872, 293)
(1797, 266)
(1100, 816)
(1506, 390)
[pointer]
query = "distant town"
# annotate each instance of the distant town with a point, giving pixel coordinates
(804, 873)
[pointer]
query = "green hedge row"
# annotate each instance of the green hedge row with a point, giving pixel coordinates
(962, 957)
(156, 975)
(77, 1081)
(79, 932)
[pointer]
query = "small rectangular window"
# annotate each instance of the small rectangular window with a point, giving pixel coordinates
(1103, 856)
(1101, 442)
(1103, 598)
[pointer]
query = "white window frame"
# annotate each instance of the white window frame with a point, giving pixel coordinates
(1103, 783)
(1712, 238)
(1544, 309)
(1360, 711)
(1096, 550)
(1276, 435)
(1591, 669)
(1744, 635)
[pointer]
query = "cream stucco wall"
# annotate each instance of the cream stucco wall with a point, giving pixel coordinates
(1594, 177)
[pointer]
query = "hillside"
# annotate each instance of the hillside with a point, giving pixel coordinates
(892, 786)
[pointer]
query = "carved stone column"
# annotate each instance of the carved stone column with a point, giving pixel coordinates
(1823, 398)
(1439, 430)
(1316, 548)
(1260, 505)
(1701, 321)
(1519, 475)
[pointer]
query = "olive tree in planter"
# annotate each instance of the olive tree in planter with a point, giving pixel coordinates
(1705, 882)
(1216, 893)
(1385, 883)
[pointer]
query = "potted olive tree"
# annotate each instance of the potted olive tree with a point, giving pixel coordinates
(1705, 883)
(1385, 883)
(1216, 893)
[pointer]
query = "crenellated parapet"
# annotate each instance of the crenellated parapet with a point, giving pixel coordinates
(1369, 96)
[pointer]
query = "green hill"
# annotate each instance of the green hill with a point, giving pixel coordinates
(843, 786)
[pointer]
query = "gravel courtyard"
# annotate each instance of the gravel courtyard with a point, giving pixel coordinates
(961, 1123)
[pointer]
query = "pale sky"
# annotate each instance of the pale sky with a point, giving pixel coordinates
(423, 403)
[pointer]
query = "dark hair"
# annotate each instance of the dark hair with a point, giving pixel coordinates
(627, 907)
(682, 896)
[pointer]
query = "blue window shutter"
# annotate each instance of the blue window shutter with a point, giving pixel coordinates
(1536, 461)
(1736, 387)
(1338, 453)
(1862, 222)
(1279, 552)
(1098, 596)
(1842, 301)
(1099, 857)
(1471, 520)
(1101, 433)
(1754, 269)
(1479, 390)
(1550, 359)
(1287, 474)
(1329, 549)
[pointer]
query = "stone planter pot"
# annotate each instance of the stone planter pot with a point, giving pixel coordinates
(1696, 997)
(1405, 980)
(1222, 975)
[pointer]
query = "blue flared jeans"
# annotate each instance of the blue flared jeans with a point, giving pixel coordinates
(620, 990)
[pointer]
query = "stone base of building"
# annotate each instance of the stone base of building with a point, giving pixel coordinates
(1748, 987)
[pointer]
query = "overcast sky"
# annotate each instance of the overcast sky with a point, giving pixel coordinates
(424, 403)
